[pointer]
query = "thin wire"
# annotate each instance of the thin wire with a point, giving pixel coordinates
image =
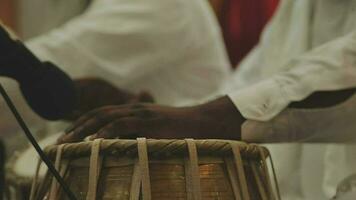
(2, 171)
(30, 137)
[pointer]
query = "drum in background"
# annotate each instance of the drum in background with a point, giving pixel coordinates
(21, 169)
(160, 169)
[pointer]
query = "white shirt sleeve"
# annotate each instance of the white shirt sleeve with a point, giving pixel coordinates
(173, 49)
(329, 67)
(137, 35)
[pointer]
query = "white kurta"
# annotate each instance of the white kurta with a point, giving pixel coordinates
(308, 46)
(171, 48)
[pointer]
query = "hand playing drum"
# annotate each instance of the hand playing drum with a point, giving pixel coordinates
(218, 119)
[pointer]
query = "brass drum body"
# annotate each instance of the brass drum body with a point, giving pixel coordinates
(159, 169)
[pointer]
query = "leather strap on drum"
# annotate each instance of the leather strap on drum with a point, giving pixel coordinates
(240, 170)
(259, 182)
(135, 182)
(231, 170)
(264, 163)
(192, 172)
(143, 163)
(35, 180)
(94, 170)
(54, 187)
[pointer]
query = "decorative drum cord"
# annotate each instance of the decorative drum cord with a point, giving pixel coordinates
(141, 176)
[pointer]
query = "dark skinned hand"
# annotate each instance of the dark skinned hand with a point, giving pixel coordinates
(218, 119)
(95, 93)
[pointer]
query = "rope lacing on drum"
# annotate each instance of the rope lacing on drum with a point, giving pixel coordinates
(144, 168)
(53, 195)
(192, 172)
(94, 170)
(240, 170)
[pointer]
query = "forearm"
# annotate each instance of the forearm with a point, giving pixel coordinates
(329, 124)
(326, 116)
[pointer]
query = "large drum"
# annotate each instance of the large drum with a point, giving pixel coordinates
(160, 169)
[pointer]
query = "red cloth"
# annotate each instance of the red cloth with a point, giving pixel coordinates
(242, 23)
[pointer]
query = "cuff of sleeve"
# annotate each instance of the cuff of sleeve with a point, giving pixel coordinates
(261, 101)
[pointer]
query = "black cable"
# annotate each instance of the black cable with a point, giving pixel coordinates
(30, 137)
(2, 170)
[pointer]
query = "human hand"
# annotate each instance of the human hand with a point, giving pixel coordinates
(218, 119)
(94, 93)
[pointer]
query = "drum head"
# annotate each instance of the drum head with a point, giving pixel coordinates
(25, 165)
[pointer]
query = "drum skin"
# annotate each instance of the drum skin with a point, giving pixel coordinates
(167, 169)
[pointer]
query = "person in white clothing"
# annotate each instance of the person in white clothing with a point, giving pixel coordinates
(173, 49)
(298, 85)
